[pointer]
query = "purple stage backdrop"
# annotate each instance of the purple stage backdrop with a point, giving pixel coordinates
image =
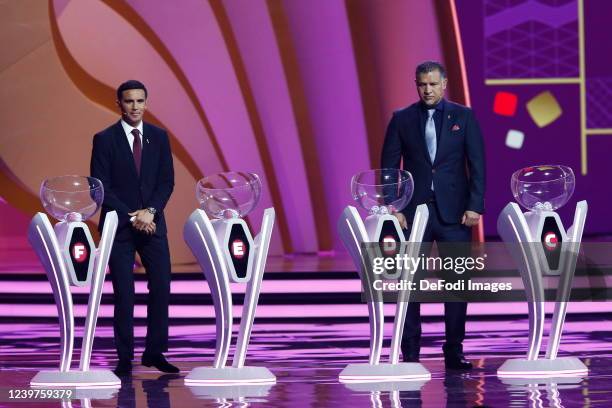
(529, 47)
(300, 92)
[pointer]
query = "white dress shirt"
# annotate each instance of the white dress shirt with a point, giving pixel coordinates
(130, 137)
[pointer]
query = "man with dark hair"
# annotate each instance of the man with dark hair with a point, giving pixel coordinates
(441, 145)
(134, 162)
(431, 66)
(131, 84)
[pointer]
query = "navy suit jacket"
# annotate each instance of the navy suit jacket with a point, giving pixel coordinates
(458, 170)
(124, 191)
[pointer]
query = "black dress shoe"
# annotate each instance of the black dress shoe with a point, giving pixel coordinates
(410, 358)
(124, 367)
(410, 351)
(457, 363)
(159, 361)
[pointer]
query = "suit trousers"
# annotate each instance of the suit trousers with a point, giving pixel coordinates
(155, 256)
(454, 312)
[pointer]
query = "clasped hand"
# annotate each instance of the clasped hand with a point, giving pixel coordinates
(470, 218)
(143, 221)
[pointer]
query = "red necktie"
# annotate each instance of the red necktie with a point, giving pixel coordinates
(137, 150)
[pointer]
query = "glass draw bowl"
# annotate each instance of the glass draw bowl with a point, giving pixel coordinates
(543, 188)
(72, 198)
(382, 191)
(229, 195)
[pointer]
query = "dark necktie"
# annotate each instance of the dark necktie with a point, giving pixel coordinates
(137, 149)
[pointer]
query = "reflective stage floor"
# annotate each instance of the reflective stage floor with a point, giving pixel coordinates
(310, 323)
(307, 357)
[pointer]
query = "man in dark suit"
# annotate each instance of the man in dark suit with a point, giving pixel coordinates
(134, 162)
(441, 145)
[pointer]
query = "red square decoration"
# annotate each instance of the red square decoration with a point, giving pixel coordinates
(505, 103)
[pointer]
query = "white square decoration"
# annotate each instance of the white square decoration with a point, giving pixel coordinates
(514, 139)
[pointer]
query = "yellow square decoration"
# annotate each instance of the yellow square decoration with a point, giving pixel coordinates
(544, 108)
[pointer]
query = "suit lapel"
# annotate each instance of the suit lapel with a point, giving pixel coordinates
(447, 119)
(124, 148)
(147, 145)
(422, 133)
